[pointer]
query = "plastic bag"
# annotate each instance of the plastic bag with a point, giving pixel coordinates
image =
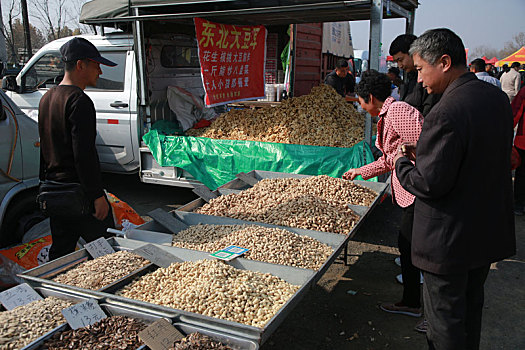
(123, 214)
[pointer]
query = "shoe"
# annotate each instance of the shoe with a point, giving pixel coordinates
(399, 308)
(398, 261)
(421, 327)
(399, 278)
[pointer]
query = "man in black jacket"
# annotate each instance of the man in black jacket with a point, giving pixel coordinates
(462, 182)
(341, 79)
(67, 128)
(411, 91)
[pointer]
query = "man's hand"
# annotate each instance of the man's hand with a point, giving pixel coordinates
(101, 208)
(351, 174)
(409, 150)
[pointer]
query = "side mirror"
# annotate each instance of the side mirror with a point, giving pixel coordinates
(9, 83)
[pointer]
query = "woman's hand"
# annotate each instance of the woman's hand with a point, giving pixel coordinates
(351, 174)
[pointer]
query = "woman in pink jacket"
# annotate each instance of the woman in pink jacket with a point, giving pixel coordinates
(398, 123)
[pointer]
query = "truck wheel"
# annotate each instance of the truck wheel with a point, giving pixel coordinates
(21, 215)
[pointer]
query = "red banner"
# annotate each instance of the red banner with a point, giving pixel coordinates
(232, 61)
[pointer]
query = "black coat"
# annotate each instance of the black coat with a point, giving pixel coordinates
(462, 180)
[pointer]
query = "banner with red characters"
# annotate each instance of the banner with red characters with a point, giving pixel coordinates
(232, 61)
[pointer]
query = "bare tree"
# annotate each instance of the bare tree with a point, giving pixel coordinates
(13, 11)
(517, 42)
(53, 16)
(481, 51)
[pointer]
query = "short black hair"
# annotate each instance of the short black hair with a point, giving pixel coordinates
(69, 66)
(514, 64)
(341, 63)
(435, 43)
(375, 84)
(402, 44)
(478, 64)
(394, 70)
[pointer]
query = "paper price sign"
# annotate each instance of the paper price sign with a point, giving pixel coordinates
(229, 253)
(83, 314)
(160, 335)
(99, 247)
(18, 296)
(156, 255)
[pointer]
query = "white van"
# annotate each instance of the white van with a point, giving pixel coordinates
(19, 166)
(172, 60)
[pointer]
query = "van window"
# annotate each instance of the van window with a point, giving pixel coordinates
(112, 78)
(179, 56)
(49, 69)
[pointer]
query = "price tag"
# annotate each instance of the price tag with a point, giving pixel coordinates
(83, 314)
(204, 192)
(99, 247)
(160, 335)
(229, 253)
(18, 296)
(250, 180)
(167, 220)
(156, 255)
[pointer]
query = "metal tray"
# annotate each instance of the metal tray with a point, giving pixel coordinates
(234, 342)
(293, 275)
(40, 275)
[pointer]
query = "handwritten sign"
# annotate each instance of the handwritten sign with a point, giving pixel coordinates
(156, 255)
(18, 296)
(160, 335)
(99, 247)
(232, 61)
(83, 314)
(229, 253)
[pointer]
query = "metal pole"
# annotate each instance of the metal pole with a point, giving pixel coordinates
(141, 58)
(291, 93)
(27, 33)
(376, 19)
(409, 29)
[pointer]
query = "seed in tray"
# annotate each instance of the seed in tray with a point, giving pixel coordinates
(272, 245)
(199, 341)
(213, 288)
(97, 273)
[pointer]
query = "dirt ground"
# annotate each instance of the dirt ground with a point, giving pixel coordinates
(330, 317)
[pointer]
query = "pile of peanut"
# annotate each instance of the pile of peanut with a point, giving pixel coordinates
(321, 118)
(213, 288)
(98, 273)
(317, 203)
(24, 324)
(272, 245)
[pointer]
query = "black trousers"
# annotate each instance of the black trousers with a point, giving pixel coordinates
(453, 307)
(519, 182)
(410, 273)
(66, 232)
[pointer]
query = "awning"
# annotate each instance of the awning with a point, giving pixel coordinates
(518, 56)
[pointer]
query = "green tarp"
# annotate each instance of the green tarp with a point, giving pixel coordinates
(216, 162)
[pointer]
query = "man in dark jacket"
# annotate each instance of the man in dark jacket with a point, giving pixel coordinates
(411, 91)
(341, 79)
(463, 214)
(67, 128)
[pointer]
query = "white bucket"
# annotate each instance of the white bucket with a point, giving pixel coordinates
(270, 92)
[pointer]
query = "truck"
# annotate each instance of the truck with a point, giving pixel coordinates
(155, 47)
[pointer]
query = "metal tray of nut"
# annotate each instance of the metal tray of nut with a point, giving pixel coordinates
(334, 240)
(146, 316)
(292, 275)
(40, 276)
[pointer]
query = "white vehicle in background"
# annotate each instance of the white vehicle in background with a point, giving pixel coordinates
(19, 166)
(361, 63)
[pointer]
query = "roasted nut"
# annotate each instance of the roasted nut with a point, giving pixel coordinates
(266, 244)
(315, 203)
(115, 332)
(198, 341)
(321, 118)
(213, 288)
(97, 273)
(24, 324)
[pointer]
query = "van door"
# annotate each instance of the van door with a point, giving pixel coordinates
(9, 137)
(112, 98)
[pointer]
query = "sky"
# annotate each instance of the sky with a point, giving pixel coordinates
(478, 22)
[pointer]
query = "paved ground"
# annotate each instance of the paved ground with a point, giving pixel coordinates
(331, 318)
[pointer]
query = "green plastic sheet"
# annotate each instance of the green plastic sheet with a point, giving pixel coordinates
(216, 162)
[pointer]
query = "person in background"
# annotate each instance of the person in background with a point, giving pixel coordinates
(340, 79)
(489, 68)
(478, 67)
(411, 91)
(398, 122)
(522, 74)
(518, 111)
(458, 229)
(393, 75)
(67, 128)
(504, 69)
(511, 81)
